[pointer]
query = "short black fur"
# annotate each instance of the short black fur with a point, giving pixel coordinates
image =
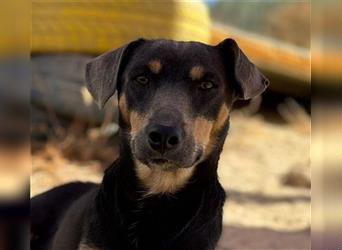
(118, 214)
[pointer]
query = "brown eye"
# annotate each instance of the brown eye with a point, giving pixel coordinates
(206, 85)
(142, 80)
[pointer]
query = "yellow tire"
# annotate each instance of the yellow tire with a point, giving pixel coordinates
(98, 26)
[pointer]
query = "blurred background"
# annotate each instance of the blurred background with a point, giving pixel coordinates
(266, 162)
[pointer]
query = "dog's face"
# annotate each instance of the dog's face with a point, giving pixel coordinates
(174, 97)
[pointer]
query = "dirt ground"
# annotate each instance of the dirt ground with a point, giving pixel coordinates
(264, 167)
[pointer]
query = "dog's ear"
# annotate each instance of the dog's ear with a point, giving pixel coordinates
(102, 72)
(248, 80)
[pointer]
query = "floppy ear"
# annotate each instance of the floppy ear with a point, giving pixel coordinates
(249, 81)
(102, 73)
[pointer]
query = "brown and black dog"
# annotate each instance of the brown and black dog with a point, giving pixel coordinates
(162, 193)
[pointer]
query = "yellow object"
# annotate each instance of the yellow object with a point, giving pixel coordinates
(15, 29)
(98, 26)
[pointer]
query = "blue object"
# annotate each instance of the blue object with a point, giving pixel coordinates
(210, 2)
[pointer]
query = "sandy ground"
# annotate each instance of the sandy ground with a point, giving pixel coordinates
(262, 212)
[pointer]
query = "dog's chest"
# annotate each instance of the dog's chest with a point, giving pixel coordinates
(153, 224)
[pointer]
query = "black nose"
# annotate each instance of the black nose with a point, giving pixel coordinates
(163, 138)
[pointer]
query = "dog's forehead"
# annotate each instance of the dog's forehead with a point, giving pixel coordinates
(180, 53)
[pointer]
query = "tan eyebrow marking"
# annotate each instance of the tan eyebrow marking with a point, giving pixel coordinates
(196, 72)
(155, 66)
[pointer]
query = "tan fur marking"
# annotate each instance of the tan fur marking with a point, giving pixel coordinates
(123, 108)
(159, 181)
(205, 130)
(221, 118)
(196, 72)
(137, 121)
(219, 122)
(155, 66)
(201, 132)
(86, 247)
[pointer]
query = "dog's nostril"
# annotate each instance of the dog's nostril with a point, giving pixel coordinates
(155, 137)
(163, 138)
(173, 140)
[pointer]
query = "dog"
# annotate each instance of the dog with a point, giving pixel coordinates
(163, 192)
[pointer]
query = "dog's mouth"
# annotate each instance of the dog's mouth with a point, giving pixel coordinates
(159, 161)
(168, 161)
(163, 164)
(167, 164)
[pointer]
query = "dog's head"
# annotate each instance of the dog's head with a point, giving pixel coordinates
(174, 97)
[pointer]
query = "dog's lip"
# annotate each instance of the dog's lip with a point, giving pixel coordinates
(159, 161)
(162, 163)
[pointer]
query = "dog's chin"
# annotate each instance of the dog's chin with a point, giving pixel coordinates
(169, 165)
(163, 164)
(166, 163)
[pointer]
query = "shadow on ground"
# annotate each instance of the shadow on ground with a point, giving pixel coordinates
(260, 238)
(243, 197)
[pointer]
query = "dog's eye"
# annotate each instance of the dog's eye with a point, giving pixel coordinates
(206, 85)
(143, 80)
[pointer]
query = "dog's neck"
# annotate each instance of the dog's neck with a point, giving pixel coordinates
(124, 168)
(122, 200)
